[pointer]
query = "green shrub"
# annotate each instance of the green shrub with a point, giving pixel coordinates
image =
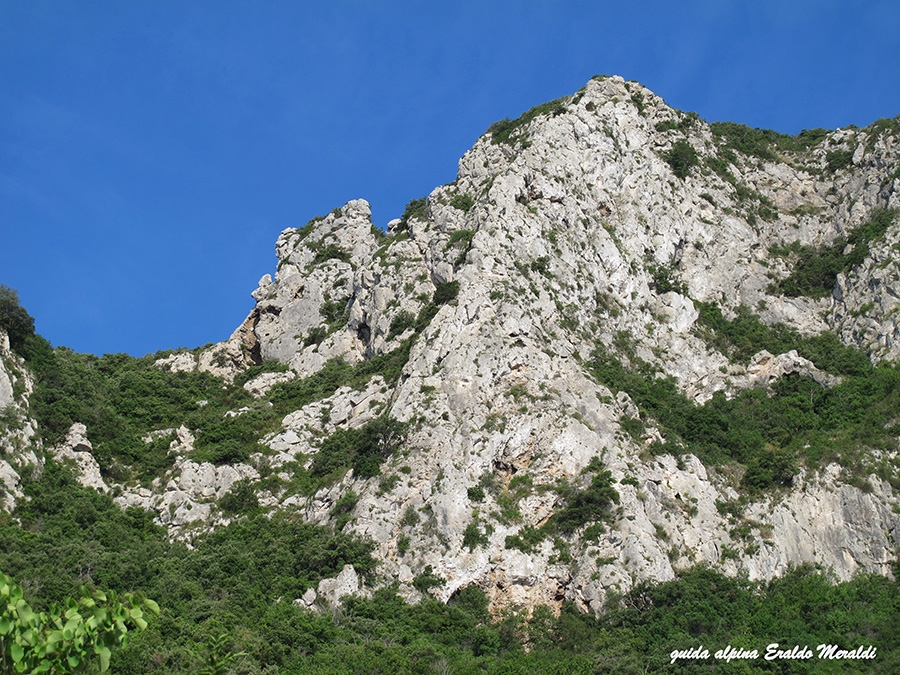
(461, 236)
(475, 493)
(427, 580)
(462, 202)
(541, 265)
(343, 509)
(307, 229)
(666, 125)
(330, 252)
(764, 143)
(240, 499)
(665, 279)
(473, 537)
(362, 449)
(682, 158)
(316, 335)
(502, 131)
(588, 505)
(527, 539)
(745, 335)
(417, 209)
(638, 99)
(14, 320)
(267, 366)
(838, 159)
(334, 311)
(402, 321)
(444, 293)
(294, 394)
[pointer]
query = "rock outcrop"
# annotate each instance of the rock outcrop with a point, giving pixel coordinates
(185, 496)
(77, 449)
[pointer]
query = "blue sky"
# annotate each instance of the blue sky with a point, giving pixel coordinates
(151, 152)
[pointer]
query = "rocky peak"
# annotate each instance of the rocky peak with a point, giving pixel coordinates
(602, 218)
(510, 331)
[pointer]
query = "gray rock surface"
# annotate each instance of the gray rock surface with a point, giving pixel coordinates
(77, 449)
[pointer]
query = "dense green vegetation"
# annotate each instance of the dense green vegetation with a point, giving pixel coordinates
(768, 433)
(816, 268)
(120, 399)
(591, 505)
(745, 335)
(229, 582)
(363, 449)
(503, 131)
(764, 144)
(462, 202)
(230, 598)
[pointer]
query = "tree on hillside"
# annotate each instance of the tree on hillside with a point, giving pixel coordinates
(17, 322)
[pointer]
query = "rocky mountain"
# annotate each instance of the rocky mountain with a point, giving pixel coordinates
(570, 370)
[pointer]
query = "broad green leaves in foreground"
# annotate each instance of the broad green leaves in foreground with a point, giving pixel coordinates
(69, 639)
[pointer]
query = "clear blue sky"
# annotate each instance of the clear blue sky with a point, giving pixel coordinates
(151, 152)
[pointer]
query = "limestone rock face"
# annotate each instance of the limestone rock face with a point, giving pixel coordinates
(577, 234)
(765, 368)
(185, 497)
(77, 448)
(568, 235)
(19, 441)
(332, 590)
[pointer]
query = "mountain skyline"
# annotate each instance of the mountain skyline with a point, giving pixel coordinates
(152, 155)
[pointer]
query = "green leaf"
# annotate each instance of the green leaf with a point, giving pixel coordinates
(26, 615)
(104, 659)
(151, 605)
(5, 626)
(17, 652)
(28, 637)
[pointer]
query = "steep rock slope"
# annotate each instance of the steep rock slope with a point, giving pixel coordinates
(566, 229)
(461, 389)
